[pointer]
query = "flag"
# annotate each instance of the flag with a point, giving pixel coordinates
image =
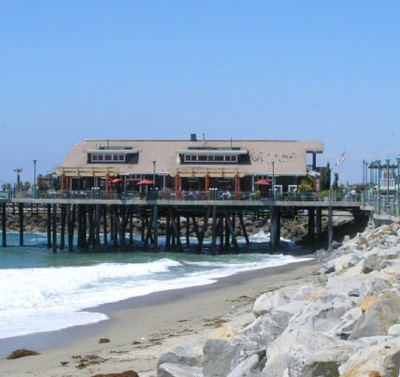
(341, 159)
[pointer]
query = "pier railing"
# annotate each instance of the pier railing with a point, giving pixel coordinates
(388, 205)
(213, 194)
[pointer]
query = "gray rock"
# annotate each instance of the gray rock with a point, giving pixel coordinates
(373, 263)
(379, 317)
(382, 359)
(220, 357)
(335, 245)
(264, 330)
(394, 330)
(175, 370)
(376, 286)
(306, 353)
(182, 355)
(324, 314)
(247, 368)
(269, 301)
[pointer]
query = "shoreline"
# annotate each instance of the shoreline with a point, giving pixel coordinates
(136, 319)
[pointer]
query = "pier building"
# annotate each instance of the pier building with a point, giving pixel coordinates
(189, 165)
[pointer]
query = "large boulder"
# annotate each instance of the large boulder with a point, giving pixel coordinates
(264, 330)
(373, 263)
(382, 313)
(220, 357)
(302, 353)
(249, 367)
(325, 314)
(380, 360)
(269, 301)
(176, 370)
(182, 355)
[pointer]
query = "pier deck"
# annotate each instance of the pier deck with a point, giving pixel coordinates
(89, 217)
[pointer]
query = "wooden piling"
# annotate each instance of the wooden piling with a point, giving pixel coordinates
(4, 224)
(21, 223)
(105, 225)
(155, 227)
(49, 226)
(62, 228)
(54, 226)
(97, 241)
(330, 227)
(318, 227)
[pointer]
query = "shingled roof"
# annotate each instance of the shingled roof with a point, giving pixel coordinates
(289, 156)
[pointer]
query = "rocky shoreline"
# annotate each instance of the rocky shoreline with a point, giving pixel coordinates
(345, 322)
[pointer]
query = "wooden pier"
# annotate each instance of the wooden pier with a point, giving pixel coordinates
(96, 224)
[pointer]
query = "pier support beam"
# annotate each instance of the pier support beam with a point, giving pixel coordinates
(311, 227)
(4, 225)
(318, 227)
(62, 231)
(97, 227)
(70, 225)
(105, 224)
(54, 226)
(274, 227)
(214, 229)
(155, 227)
(21, 223)
(244, 228)
(49, 226)
(330, 227)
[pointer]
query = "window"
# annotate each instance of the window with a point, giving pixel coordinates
(232, 158)
(189, 157)
(107, 157)
(292, 188)
(219, 158)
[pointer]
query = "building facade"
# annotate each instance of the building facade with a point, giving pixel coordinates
(188, 165)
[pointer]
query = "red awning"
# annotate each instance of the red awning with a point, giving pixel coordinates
(116, 180)
(144, 182)
(262, 182)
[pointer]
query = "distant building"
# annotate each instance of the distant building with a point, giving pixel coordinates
(188, 165)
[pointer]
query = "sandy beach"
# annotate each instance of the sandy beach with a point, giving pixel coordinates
(140, 329)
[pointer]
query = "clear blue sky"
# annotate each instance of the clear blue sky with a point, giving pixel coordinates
(306, 70)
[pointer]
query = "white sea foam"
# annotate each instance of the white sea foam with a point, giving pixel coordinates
(45, 299)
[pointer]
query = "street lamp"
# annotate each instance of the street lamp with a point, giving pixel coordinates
(273, 179)
(378, 163)
(363, 162)
(34, 179)
(388, 172)
(154, 178)
(398, 181)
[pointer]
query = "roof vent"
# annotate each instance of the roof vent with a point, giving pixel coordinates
(193, 137)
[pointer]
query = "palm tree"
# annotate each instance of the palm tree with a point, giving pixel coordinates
(18, 171)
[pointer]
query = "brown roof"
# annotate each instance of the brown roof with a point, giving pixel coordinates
(289, 156)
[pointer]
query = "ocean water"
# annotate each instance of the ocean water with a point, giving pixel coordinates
(41, 291)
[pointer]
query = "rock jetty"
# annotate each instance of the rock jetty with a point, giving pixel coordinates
(345, 322)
